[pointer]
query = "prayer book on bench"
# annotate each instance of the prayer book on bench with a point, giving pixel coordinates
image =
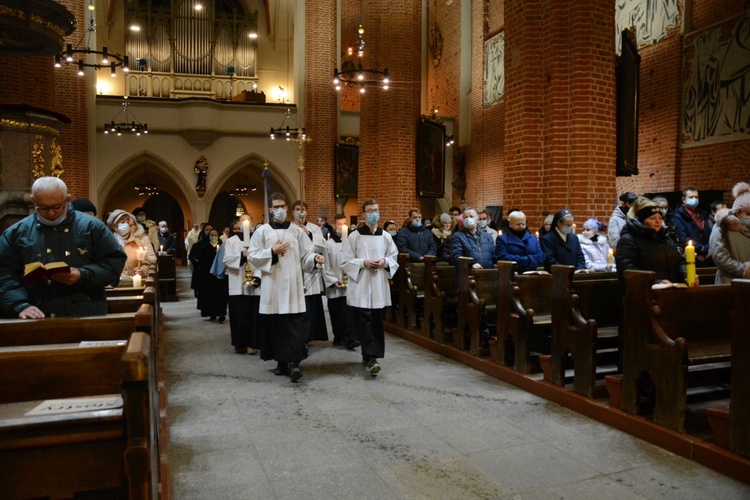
(36, 271)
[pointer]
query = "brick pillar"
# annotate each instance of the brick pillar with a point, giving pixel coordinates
(389, 118)
(320, 106)
(560, 107)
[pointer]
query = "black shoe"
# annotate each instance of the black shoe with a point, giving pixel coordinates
(222, 319)
(240, 350)
(337, 342)
(352, 345)
(294, 372)
(212, 318)
(373, 367)
(281, 369)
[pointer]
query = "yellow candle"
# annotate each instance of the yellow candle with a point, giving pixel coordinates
(610, 257)
(137, 281)
(690, 263)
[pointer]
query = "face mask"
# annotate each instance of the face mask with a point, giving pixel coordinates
(123, 228)
(663, 212)
(140, 219)
(279, 215)
(745, 220)
(338, 232)
(691, 202)
(163, 230)
(416, 223)
(392, 233)
(52, 223)
(566, 229)
(482, 224)
(299, 215)
(470, 222)
(588, 233)
(373, 218)
(213, 240)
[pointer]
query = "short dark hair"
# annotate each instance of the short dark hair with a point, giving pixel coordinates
(413, 211)
(628, 197)
(339, 217)
(715, 204)
(685, 191)
(454, 208)
(368, 202)
(276, 196)
(299, 203)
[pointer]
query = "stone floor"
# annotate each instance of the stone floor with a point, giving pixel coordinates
(425, 427)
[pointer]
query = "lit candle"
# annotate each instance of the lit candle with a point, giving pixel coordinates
(574, 229)
(690, 263)
(344, 231)
(161, 248)
(140, 253)
(137, 280)
(500, 233)
(537, 235)
(610, 257)
(246, 232)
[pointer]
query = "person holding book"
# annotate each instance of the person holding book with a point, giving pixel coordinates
(134, 242)
(55, 233)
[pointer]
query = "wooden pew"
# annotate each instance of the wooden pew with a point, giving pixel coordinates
(428, 322)
(707, 275)
(166, 278)
(130, 303)
(478, 302)
(523, 314)
(679, 337)
(441, 308)
(586, 311)
(58, 455)
(411, 281)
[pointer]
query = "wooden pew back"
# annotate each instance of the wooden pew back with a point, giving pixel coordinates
(739, 409)
(691, 313)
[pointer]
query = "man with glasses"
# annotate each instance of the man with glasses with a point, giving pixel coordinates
(57, 233)
(281, 251)
(369, 260)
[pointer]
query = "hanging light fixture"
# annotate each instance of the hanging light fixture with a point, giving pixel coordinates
(353, 71)
(243, 188)
(147, 187)
(130, 125)
(81, 57)
(288, 132)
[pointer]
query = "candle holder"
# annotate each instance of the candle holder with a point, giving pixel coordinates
(344, 280)
(250, 280)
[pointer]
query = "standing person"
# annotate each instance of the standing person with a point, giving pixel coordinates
(191, 238)
(415, 238)
(244, 299)
(212, 290)
(618, 217)
(561, 245)
(730, 237)
(484, 221)
(152, 230)
(715, 207)
(280, 250)
(315, 324)
(166, 239)
(470, 242)
(53, 233)
(342, 315)
(370, 260)
(193, 256)
(518, 245)
(692, 225)
(132, 238)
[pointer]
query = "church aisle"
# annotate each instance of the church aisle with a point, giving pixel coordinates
(426, 427)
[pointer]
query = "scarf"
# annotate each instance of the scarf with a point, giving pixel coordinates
(699, 221)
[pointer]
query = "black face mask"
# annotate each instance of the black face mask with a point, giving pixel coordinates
(517, 233)
(240, 235)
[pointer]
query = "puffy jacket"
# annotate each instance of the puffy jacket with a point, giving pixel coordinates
(644, 249)
(465, 244)
(557, 251)
(687, 230)
(735, 263)
(525, 251)
(595, 252)
(616, 223)
(416, 241)
(81, 241)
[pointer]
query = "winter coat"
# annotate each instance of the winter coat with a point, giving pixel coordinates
(616, 223)
(595, 252)
(566, 252)
(687, 230)
(525, 251)
(416, 241)
(735, 263)
(644, 249)
(465, 244)
(81, 241)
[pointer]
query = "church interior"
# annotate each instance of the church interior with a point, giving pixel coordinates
(536, 105)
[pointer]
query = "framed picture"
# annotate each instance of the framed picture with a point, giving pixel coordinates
(430, 159)
(346, 170)
(628, 70)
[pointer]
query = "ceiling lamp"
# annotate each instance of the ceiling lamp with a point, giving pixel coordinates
(129, 125)
(243, 189)
(147, 187)
(288, 132)
(86, 57)
(353, 71)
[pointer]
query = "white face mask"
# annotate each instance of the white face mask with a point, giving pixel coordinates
(279, 215)
(588, 233)
(566, 229)
(53, 223)
(123, 228)
(163, 229)
(470, 222)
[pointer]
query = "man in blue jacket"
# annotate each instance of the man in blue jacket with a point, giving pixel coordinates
(691, 223)
(468, 242)
(518, 245)
(57, 233)
(416, 238)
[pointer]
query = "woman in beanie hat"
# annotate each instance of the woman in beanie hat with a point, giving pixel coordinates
(561, 245)
(594, 245)
(546, 225)
(730, 237)
(131, 236)
(441, 229)
(644, 245)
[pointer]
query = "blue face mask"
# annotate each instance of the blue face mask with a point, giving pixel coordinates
(373, 218)
(416, 223)
(470, 222)
(745, 221)
(482, 224)
(279, 215)
(52, 223)
(566, 229)
(691, 202)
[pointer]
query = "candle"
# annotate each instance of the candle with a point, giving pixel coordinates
(690, 263)
(610, 256)
(537, 235)
(140, 253)
(137, 281)
(500, 233)
(161, 248)
(246, 232)
(344, 231)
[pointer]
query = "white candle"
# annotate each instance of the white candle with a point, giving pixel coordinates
(344, 231)
(137, 281)
(140, 253)
(161, 248)
(246, 232)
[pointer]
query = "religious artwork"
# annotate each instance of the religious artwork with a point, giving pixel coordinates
(346, 170)
(56, 167)
(201, 170)
(430, 159)
(37, 158)
(628, 77)
(494, 69)
(652, 19)
(716, 84)
(436, 45)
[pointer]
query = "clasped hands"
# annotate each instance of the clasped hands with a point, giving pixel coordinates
(374, 264)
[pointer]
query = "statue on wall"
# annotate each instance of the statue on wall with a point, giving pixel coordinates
(201, 170)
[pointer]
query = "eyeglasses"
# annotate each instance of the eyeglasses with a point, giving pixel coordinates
(53, 208)
(372, 211)
(274, 207)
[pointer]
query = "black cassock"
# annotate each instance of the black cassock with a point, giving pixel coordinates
(213, 292)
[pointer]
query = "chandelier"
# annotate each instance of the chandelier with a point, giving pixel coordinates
(241, 189)
(86, 57)
(353, 71)
(130, 125)
(147, 187)
(289, 132)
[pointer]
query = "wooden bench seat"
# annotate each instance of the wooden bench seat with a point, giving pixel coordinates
(411, 282)
(441, 300)
(585, 316)
(59, 455)
(677, 337)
